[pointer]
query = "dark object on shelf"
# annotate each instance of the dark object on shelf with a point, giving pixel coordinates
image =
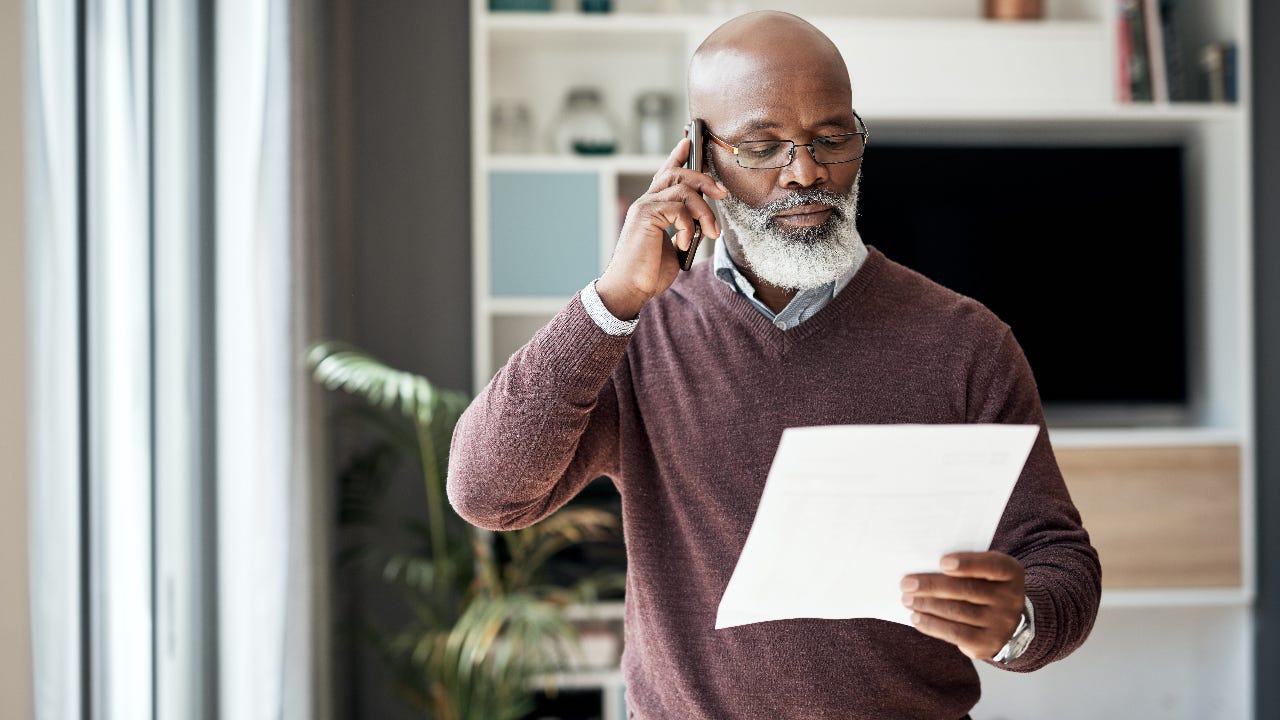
(1175, 61)
(1082, 252)
(583, 127)
(521, 5)
(1014, 9)
(586, 147)
(510, 128)
(567, 705)
(654, 120)
(1218, 64)
(596, 6)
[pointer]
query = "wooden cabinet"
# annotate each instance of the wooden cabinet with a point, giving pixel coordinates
(1161, 517)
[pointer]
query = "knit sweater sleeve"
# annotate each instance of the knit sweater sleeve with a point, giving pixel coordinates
(1041, 526)
(544, 427)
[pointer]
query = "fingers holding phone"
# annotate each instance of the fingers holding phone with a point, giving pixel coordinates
(646, 261)
(683, 171)
(685, 252)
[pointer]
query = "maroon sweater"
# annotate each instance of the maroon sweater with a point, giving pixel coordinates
(685, 416)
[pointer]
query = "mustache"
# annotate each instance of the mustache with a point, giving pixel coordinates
(811, 196)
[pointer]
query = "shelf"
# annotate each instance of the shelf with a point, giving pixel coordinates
(898, 124)
(626, 164)
(583, 679)
(603, 610)
(527, 305)
(1177, 598)
(505, 24)
(532, 23)
(1136, 113)
(1143, 437)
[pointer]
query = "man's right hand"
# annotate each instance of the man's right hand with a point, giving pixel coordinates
(644, 262)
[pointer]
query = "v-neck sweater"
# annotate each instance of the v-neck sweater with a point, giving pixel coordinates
(685, 416)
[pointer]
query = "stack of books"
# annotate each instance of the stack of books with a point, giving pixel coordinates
(1152, 63)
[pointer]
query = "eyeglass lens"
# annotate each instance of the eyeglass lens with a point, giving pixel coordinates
(762, 154)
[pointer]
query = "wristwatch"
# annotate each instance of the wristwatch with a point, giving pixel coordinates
(1022, 636)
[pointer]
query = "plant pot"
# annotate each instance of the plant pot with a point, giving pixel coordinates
(1014, 9)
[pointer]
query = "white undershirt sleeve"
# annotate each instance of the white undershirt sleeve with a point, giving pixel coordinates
(601, 315)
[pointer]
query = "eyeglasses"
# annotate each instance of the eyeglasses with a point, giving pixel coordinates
(773, 154)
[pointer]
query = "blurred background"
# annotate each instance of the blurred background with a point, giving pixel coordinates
(260, 253)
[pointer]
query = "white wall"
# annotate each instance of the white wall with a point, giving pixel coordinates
(15, 631)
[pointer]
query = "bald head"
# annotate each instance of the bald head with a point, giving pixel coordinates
(750, 62)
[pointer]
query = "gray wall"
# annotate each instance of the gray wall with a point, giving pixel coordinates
(412, 173)
(1266, 121)
(402, 275)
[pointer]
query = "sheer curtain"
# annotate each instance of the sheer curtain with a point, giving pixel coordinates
(272, 515)
(265, 568)
(54, 426)
(177, 536)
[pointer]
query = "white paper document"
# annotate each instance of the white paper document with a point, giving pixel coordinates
(848, 510)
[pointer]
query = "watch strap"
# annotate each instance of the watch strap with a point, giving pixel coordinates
(1022, 636)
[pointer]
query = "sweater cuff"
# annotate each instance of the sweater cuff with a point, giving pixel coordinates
(1046, 629)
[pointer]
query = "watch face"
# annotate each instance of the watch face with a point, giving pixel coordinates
(1021, 640)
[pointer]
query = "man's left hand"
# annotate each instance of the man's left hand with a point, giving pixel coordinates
(974, 604)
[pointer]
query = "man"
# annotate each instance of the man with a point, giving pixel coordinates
(678, 386)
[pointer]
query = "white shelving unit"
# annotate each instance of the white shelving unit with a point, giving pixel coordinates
(932, 71)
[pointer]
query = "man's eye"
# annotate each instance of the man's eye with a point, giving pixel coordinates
(760, 149)
(833, 142)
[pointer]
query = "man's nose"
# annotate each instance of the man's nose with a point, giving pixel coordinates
(804, 170)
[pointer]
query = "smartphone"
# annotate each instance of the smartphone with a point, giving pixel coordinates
(694, 132)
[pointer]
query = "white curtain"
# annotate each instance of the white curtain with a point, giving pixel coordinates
(184, 521)
(266, 519)
(133, 332)
(117, 262)
(54, 397)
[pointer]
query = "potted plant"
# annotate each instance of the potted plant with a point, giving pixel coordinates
(485, 622)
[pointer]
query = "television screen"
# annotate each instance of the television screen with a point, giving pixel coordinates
(1080, 249)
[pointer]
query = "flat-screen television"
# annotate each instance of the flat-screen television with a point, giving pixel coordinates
(1082, 250)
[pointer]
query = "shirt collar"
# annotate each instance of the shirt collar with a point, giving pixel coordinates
(805, 303)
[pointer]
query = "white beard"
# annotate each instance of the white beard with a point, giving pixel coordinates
(802, 258)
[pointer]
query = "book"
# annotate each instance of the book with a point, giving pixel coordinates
(1124, 87)
(1154, 32)
(1175, 63)
(1133, 17)
(1229, 81)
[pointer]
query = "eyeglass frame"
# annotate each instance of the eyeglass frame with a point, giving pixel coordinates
(865, 132)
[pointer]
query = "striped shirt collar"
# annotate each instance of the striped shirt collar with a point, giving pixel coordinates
(805, 304)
